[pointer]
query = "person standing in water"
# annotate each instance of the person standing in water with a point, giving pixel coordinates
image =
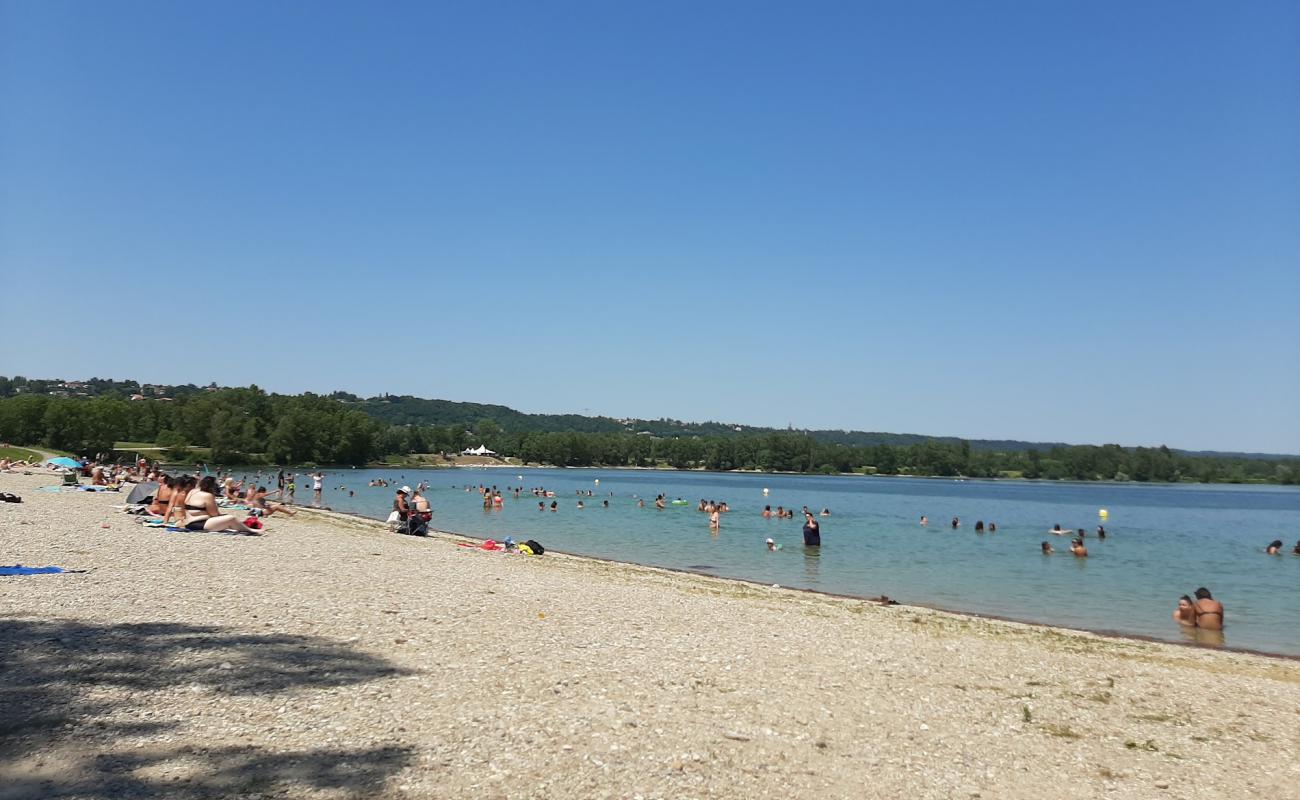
(715, 520)
(1185, 614)
(812, 533)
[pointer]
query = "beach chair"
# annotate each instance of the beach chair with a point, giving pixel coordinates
(70, 479)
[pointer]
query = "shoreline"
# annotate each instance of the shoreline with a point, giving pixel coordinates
(901, 604)
(330, 659)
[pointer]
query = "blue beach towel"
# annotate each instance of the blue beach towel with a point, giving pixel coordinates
(19, 569)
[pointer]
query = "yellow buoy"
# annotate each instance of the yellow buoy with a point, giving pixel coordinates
(1104, 514)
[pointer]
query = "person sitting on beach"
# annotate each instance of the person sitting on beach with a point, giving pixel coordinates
(257, 500)
(176, 503)
(1185, 614)
(201, 511)
(1208, 607)
(400, 505)
(162, 496)
(1076, 547)
(97, 476)
(812, 532)
(1274, 548)
(1047, 549)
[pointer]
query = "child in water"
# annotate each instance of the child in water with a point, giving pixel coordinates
(772, 546)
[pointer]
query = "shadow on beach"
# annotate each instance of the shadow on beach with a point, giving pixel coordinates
(65, 712)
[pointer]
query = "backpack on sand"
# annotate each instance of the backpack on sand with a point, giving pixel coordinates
(535, 546)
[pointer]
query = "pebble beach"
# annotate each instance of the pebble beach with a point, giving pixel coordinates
(332, 659)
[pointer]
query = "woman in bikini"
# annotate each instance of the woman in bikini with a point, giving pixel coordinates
(201, 512)
(162, 496)
(176, 505)
(1209, 612)
(257, 499)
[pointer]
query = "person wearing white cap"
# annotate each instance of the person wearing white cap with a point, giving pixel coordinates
(400, 506)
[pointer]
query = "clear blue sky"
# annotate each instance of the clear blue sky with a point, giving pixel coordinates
(1050, 221)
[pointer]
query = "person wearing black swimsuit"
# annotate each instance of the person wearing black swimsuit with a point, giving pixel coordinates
(812, 533)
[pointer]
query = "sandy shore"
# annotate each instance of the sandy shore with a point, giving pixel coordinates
(332, 659)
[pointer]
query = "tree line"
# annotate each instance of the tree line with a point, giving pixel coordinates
(248, 425)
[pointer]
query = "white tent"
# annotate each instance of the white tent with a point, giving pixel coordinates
(481, 450)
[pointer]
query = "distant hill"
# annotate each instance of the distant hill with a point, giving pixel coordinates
(409, 410)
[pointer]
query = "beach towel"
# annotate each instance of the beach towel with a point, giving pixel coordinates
(19, 569)
(174, 529)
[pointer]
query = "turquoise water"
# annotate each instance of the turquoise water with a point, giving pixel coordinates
(1163, 541)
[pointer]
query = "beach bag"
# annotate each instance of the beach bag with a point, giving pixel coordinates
(535, 546)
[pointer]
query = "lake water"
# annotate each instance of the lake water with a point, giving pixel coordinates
(1163, 541)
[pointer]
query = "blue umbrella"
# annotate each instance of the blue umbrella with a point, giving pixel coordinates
(64, 461)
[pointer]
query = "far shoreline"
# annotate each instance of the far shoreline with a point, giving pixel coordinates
(702, 470)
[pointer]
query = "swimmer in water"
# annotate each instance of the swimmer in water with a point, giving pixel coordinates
(772, 546)
(1209, 612)
(1185, 614)
(1296, 551)
(956, 523)
(541, 506)
(826, 512)
(1076, 547)
(580, 505)
(555, 506)
(924, 520)
(979, 526)
(640, 502)
(1274, 548)
(1047, 549)
(767, 512)
(993, 527)
(1056, 530)
(1101, 531)
(812, 532)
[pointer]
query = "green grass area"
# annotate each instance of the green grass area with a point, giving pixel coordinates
(135, 446)
(20, 454)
